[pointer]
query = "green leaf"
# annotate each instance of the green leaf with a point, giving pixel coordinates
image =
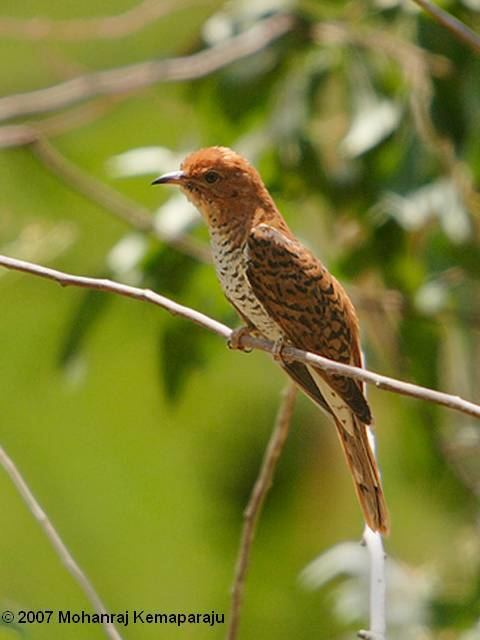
(87, 313)
(182, 351)
(167, 270)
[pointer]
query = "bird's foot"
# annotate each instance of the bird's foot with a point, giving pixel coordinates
(277, 350)
(235, 339)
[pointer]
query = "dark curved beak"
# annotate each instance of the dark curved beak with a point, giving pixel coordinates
(174, 177)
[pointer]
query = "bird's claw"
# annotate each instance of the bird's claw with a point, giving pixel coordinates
(235, 339)
(277, 350)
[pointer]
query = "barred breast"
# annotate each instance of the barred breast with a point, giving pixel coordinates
(230, 263)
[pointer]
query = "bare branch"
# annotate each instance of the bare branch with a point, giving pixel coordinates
(381, 382)
(57, 543)
(379, 40)
(256, 501)
(455, 26)
(374, 543)
(106, 27)
(137, 216)
(17, 135)
(133, 77)
(119, 205)
(417, 65)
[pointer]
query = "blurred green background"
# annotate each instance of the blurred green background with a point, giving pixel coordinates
(141, 435)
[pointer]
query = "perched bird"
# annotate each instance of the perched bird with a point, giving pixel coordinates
(285, 294)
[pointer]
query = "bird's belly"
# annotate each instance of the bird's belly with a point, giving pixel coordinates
(232, 276)
(252, 309)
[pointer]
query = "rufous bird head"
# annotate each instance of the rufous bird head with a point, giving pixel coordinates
(221, 184)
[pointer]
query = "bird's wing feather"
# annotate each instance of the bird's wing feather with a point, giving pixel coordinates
(360, 458)
(304, 379)
(315, 314)
(309, 305)
(296, 370)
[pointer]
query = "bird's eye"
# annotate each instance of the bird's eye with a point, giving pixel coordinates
(211, 177)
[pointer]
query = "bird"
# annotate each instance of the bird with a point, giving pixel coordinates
(285, 294)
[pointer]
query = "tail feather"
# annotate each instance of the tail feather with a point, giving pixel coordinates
(365, 474)
(359, 455)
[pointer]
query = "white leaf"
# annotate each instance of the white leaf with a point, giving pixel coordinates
(124, 257)
(408, 592)
(438, 199)
(174, 217)
(431, 298)
(143, 161)
(374, 120)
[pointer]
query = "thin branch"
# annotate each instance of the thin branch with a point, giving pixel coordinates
(103, 284)
(381, 382)
(105, 27)
(122, 207)
(134, 77)
(417, 65)
(36, 136)
(93, 189)
(455, 26)
(379, 40)
(378, 625)
(18, 135)
(57, 543)
(256, 501)
(378, 583)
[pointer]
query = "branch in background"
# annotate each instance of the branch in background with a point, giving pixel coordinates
(57, 543)
(378, 626)
(106, 27)
(119, 205)
(138, 76)
(18, 135)
(420, 105)
(36, 136)
(455, 26)
(381, 382)
(256, 501)
(417, 65)
(404, 52)
(138, 217)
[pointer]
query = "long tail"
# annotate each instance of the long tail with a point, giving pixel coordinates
(365, 474)
(353, 436)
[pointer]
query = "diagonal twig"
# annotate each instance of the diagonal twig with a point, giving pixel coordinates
(105, 27)
(122, 207)
(147, 295)
(455, 26)
(134, 77)
(418, 66)
(378, 624)
(22, 134)
(256, 501)
(57, 543)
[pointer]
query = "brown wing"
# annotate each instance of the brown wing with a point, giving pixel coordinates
(316, 314)
(310, 306)
(302, 376)
(296, 370)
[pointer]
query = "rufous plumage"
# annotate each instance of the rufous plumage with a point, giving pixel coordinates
(285, 294)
